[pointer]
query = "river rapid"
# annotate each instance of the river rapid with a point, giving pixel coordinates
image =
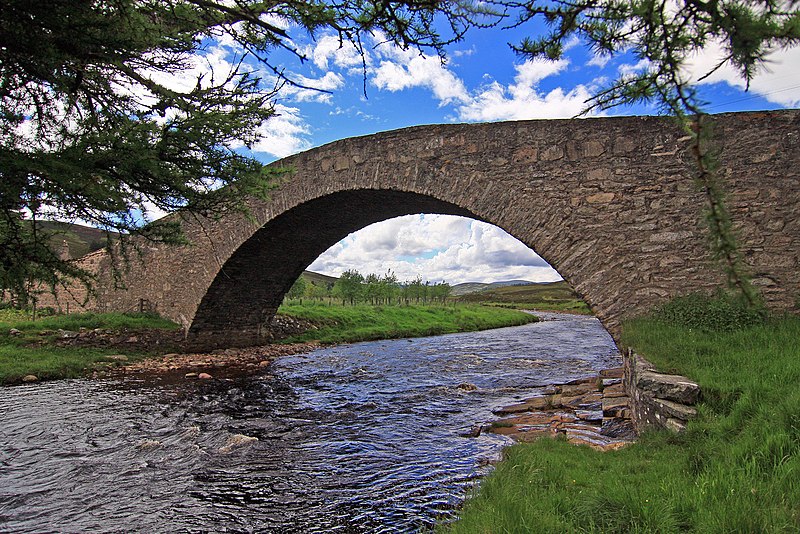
(367, 437)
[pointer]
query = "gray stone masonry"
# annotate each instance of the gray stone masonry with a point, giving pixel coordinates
(658, 400)
(609, 202)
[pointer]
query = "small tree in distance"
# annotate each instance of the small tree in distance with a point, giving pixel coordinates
(298, 289)
(349, 287)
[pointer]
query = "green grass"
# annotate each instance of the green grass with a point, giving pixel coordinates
(32, 352)
(735, 469)
(363, 323)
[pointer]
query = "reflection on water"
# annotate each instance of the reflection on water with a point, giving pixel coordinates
(356, 438)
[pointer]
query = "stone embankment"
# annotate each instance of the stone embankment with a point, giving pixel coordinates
(658, 400)
(593, 411)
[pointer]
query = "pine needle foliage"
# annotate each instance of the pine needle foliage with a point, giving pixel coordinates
(113, 109)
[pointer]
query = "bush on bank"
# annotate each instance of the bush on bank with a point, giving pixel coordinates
(735, 469)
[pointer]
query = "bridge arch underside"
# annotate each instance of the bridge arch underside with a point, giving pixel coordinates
(250, 286)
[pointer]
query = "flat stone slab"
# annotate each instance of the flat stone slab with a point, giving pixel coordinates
(615, 390)
(616, 372)
(535, 403)
(571, 390)
(581, 400)
(676, 410)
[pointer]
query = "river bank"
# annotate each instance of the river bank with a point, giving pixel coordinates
(70, 346)
(734, 468)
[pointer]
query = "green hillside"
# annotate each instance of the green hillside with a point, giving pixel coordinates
(547, 296)
(473, 287)
(321, 280)
(81, 239)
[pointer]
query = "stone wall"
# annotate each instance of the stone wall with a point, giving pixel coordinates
(609, 202)
(658, 400)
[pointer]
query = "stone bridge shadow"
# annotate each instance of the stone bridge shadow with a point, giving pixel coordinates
(610, 203)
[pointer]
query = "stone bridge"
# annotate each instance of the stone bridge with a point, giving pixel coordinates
(609, 202)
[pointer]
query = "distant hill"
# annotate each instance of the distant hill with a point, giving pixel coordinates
(547, 296)
(322, 280)
(473, 287)
(81, 239)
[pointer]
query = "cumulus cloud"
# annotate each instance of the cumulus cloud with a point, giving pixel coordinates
(435, 248)
(330, 51)
(523, 99)
(313, 89)
(284, 134)
(404, 69)
(599, 60)
(778, 81)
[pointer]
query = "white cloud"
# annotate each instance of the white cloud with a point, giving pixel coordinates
(631, 69)
(404, 69)
(599, 60)
(778, 81)
(313, 89)
(284, 134)
(329, 49)
(435, 247)
(523, 99)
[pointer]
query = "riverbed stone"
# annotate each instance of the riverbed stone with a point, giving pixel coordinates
(116, 358)
(534, 403)
(581, 401)
(204, 376)
(614, 372)
(30, 378)
(579, 388)
(614, 390)
(616, 427)
(236, 441)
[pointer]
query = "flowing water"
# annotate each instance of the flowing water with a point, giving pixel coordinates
(356, 438)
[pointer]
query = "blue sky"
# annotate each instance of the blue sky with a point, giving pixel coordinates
(483, 80)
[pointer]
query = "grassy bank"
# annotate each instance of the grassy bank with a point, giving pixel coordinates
(340, 324)
(735, 469)
(35, 350)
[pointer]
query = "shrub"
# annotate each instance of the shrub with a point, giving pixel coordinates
(720, 312)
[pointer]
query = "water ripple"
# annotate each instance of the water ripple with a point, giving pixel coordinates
(356, 438)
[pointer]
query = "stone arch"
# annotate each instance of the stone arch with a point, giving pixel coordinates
(609, 203)
(258, 274)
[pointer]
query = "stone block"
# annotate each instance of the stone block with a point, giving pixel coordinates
(669, 387)
(675, 410)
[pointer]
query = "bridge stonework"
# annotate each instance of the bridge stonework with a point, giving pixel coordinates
(609, 202)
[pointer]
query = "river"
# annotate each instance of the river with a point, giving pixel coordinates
(365, 437)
